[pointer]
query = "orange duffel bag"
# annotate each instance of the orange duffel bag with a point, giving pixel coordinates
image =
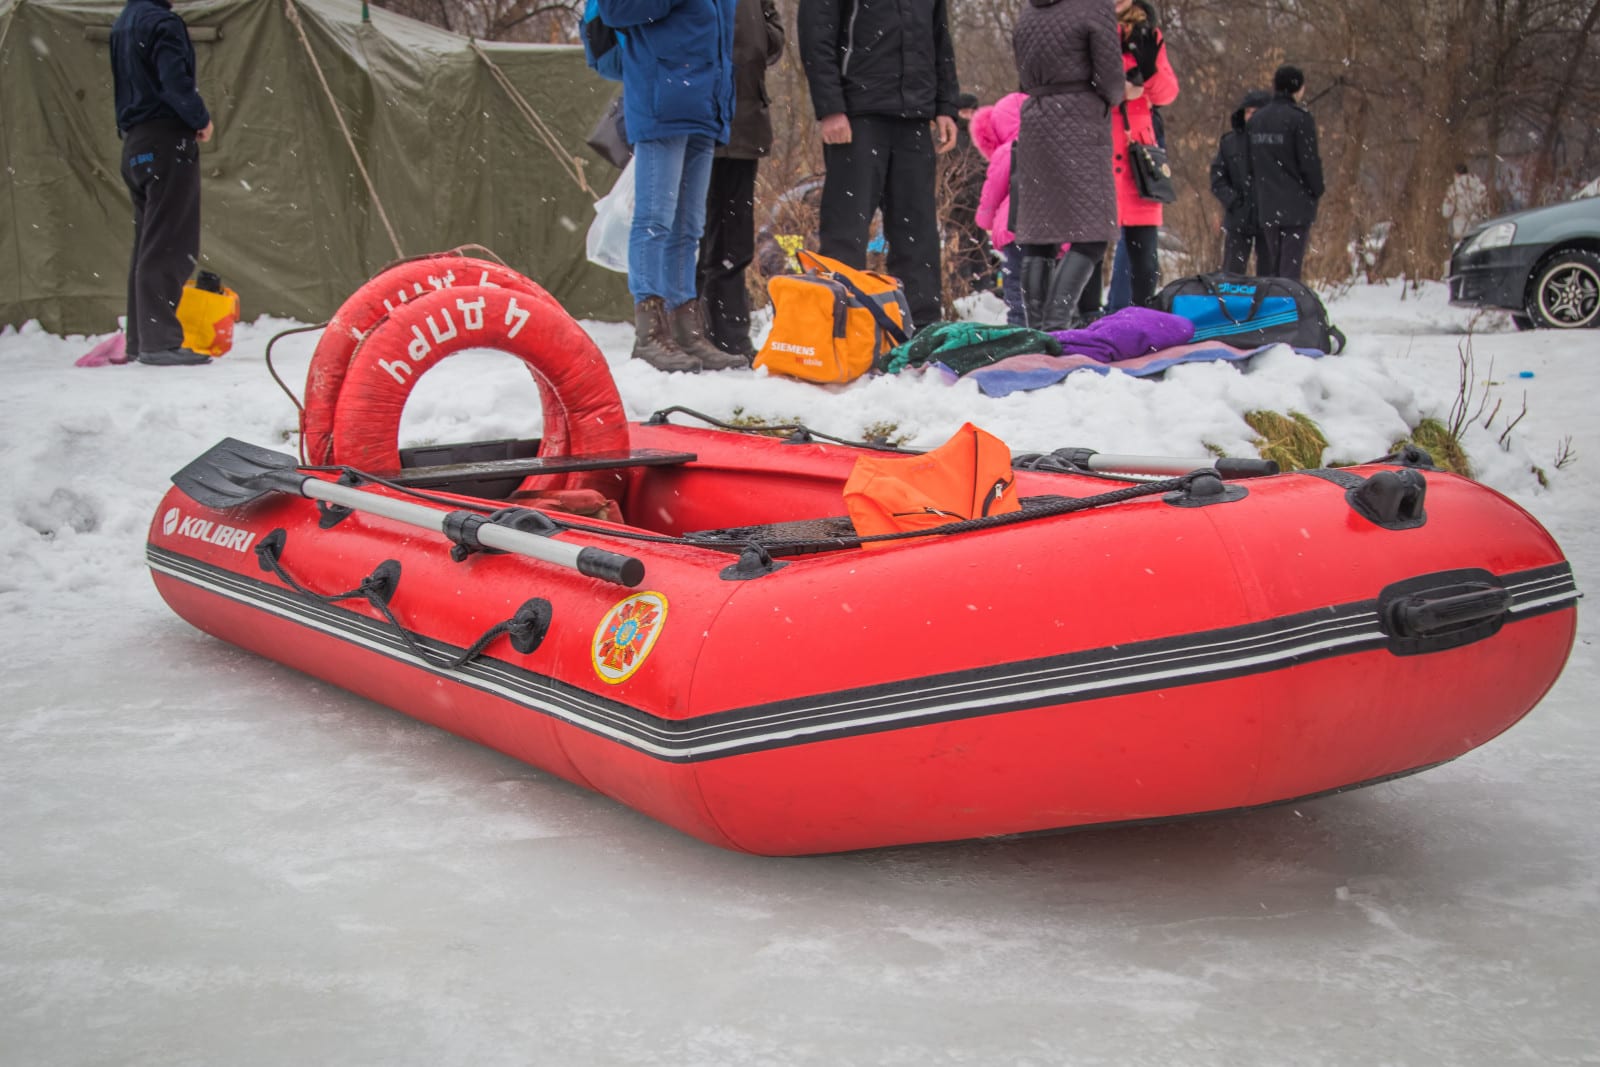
(967, 477)
(832, 323)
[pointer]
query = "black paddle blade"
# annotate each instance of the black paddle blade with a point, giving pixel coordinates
(233, 473)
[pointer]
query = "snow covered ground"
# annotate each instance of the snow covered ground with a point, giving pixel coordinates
(206, 858)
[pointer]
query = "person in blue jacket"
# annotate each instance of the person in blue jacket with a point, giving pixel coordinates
(677, 102)
(161, 120)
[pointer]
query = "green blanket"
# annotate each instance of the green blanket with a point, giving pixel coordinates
(965, 346)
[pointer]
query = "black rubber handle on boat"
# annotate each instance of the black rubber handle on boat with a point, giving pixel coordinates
(610, 566)
(1421, 616)
(1242, 467)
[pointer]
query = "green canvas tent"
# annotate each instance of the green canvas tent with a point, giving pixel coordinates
(462, 143)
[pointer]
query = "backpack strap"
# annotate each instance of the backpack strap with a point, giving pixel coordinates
(888, 325)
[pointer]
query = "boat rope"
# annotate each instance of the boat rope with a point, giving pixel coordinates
(298, 407)
(333, 102)
(526, 628)
(798, 432)
(569, 162)
(1038, 508)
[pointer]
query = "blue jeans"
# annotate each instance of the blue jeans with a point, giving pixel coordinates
(670, 179)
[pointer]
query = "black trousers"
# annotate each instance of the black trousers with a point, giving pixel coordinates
(1282, 250)
(726, 249)
(1144, 262)
(1236, 249)
(1141, 243)
(161, 166)
(889, 164)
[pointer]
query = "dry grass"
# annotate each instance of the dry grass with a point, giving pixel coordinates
(1435, 438)
(1293, 440)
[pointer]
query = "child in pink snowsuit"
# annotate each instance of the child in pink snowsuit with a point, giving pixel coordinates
(994, 130)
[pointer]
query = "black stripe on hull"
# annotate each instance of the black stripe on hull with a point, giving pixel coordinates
(1164, 663)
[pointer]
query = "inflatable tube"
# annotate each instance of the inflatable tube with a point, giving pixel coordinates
(393, 287)
(575, 382)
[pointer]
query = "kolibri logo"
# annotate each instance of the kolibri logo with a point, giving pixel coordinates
(212, 533)
(1234, 289)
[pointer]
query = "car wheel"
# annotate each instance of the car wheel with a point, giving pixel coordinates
(1566, 291)
(1521, 322)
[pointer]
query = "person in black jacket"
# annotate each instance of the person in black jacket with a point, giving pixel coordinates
(880, 71)
(1230, 184)
(729, 242)
(1286, 174)
(161, 120)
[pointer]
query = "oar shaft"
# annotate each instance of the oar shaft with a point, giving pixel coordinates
(595, 562)
(1172, 466)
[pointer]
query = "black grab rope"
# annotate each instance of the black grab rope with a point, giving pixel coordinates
(526, 628)
(1050, 507)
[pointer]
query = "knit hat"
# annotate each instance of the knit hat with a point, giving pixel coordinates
(1287, 79)
(966, 101)
(1255, 99)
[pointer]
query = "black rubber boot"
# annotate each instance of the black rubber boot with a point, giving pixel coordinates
(652, 338)
(173, 357)
(688, 329)
(1036, 271)
(1066, 286)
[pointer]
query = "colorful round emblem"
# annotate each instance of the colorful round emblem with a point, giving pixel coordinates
(627, 634)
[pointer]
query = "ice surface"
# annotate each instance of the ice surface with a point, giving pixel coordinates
(209, 859)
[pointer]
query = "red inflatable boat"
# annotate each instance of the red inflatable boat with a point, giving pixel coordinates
(713, 644)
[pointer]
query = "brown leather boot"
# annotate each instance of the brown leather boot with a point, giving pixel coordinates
(652, 338)
(688, 329)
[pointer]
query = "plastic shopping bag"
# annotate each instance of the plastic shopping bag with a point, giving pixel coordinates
(613, 218)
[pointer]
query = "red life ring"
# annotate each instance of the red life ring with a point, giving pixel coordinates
(575, 382)
(393, 287)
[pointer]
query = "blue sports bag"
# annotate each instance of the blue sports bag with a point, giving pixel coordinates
(1248, 312)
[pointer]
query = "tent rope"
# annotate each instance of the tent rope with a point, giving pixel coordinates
(333, 102)
(569, 162)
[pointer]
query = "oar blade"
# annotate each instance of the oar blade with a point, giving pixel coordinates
(233, 473)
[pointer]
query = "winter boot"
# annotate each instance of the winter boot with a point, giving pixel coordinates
(1035, 288)
(689, 331)
(652, 338)
(1066, 286)
(173, 357)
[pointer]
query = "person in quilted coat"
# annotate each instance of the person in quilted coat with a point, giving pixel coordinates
(1069, 63)
(1150, 83)
(994, 131)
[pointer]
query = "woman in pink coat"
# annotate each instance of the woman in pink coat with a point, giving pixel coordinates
(994, 131)
(1151, 83)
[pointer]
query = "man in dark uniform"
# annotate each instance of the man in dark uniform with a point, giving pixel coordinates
(1286, 173)
(161, 119)
(880, 71)
(1230, 184)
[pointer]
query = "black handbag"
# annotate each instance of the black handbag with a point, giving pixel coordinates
(1151, 172)
(609, 139)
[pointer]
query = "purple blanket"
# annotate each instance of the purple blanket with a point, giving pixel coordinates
(1021, 373)
(1125, 334)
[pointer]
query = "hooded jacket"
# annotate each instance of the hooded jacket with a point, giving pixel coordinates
(152, 68)
(1144, 60)
(994, 131)
(1230, 169)
(677, 66)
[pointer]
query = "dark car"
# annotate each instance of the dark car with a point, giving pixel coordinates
(1542, 265)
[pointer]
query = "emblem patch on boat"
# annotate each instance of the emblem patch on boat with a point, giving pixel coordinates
(627, 634)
